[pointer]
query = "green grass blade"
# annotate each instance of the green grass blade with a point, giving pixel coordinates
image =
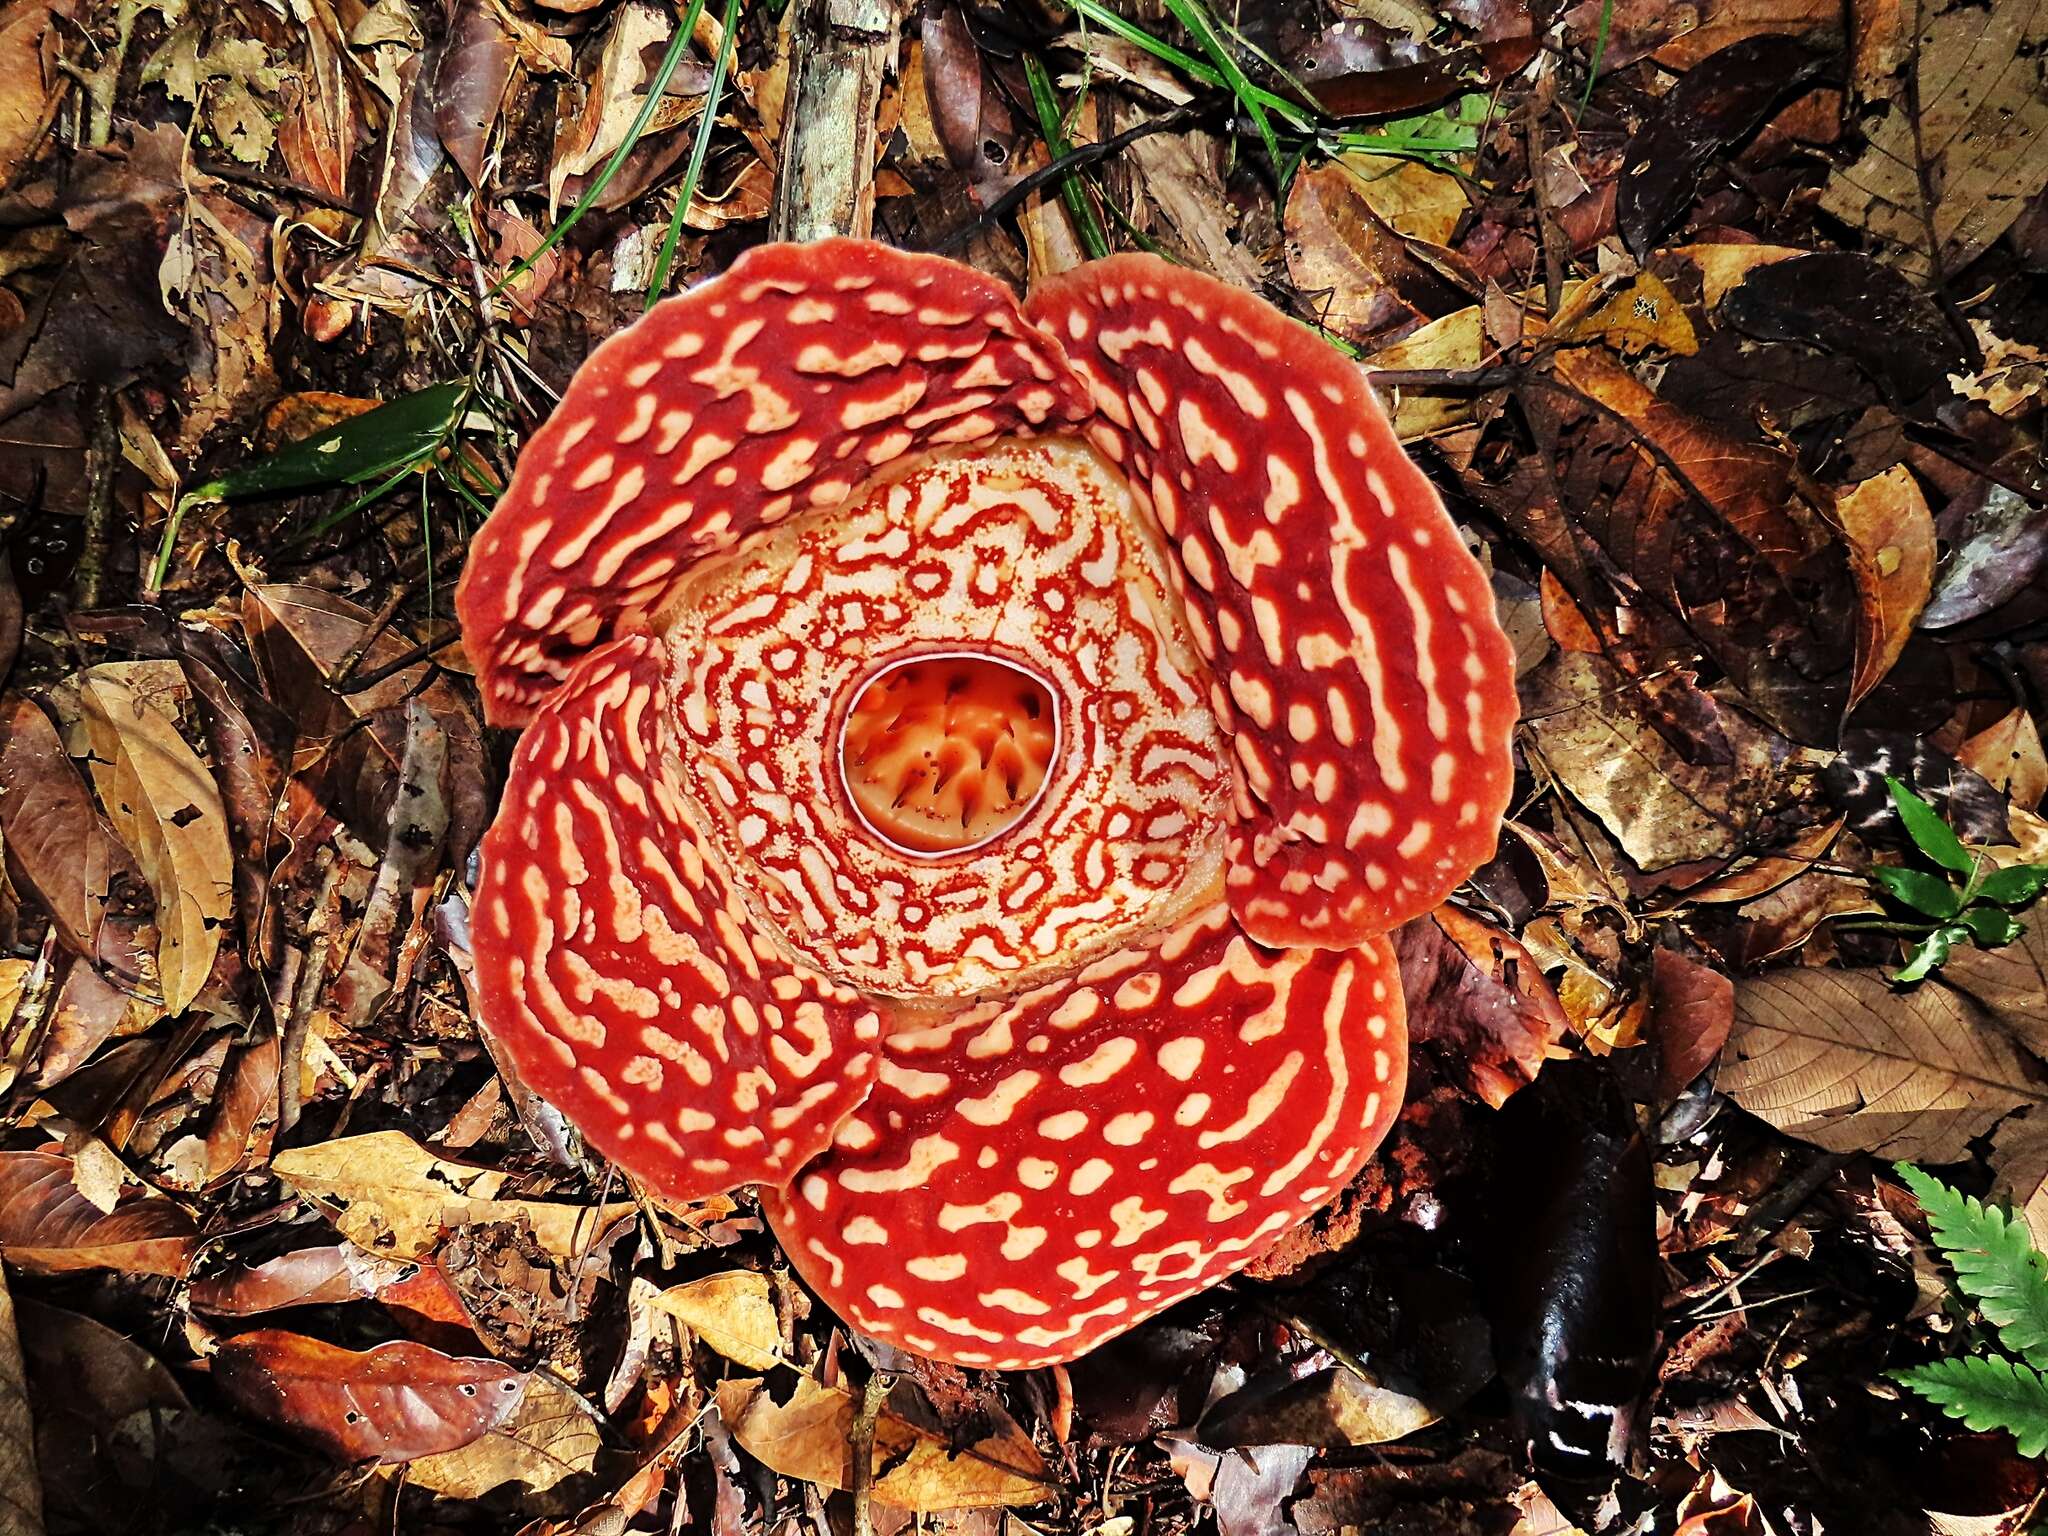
(1086, 225)
(1194, 68)
(694, 172)
(663, 72)
(1599, 56)
(1190, 14)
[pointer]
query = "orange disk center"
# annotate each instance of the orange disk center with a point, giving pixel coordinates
(943, 753)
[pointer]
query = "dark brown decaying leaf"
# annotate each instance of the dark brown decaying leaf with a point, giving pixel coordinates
(1480, 998)
(1692, 1009)
(1672, 774)
(301, 637)
(49, 1227)
(475, 71)
(1969, 126)
(59, 848)
(1572, 1278)
(1716, 102)
(390, 1404)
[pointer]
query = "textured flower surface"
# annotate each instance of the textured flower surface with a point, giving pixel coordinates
(973, 754)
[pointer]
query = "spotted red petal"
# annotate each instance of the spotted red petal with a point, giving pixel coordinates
(620, 975)
(1356, 654)
(1034, 1176)
(779, 386)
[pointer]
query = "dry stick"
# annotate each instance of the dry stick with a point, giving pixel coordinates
(860, 1447)
(825, 185)
(102, 463)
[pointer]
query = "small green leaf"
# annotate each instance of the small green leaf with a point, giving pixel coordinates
(1919, 890)
(1991, 926)
(1931, 953)
(2015, 887)
(1996, 1263)
(1930, 834)
(393, 436)
(1987, 1394)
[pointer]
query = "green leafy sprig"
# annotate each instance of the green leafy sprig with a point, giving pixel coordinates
(1965, 898)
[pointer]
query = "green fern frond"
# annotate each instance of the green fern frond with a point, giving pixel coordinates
(1987, 1394)
(1995, 1262)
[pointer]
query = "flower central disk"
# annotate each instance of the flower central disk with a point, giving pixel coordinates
(944, 752)
(951, 736)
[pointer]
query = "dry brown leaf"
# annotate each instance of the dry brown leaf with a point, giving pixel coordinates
(1189, 194)
(60, 850)
(1457, 341)
(1841, 1059)
(1890, 535)
(49, 1227)
(24, 102)
(550, 1435)
(2009, 755)
(615, 88)
(1980, 131)
(1680, 36)
(806, 1438)
(1598, 731)
(2013, 376)
(1353, 263)
(319, 135)
(733, 1312)
(386, 1193)
(2012, 981)
(2019, 1166)
(1410, 197)
(231, 84)
(1641, 314)
(163, 803)
(1722, 266)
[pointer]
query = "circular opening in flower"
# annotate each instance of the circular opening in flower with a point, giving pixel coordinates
(944, 752)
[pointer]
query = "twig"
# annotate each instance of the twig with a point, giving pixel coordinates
(860, 1446)
(102, 460)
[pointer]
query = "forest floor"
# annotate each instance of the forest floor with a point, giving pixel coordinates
(1719, 326)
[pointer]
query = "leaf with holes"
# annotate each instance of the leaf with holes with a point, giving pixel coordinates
(390, 1404)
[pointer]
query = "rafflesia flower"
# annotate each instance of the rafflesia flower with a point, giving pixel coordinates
(973, 757)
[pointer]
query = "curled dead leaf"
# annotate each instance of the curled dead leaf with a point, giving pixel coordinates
(806, 1437)
(48, 1226)
(1890, 534)
(386, 1193)
(733, 1312)
(163, 802)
